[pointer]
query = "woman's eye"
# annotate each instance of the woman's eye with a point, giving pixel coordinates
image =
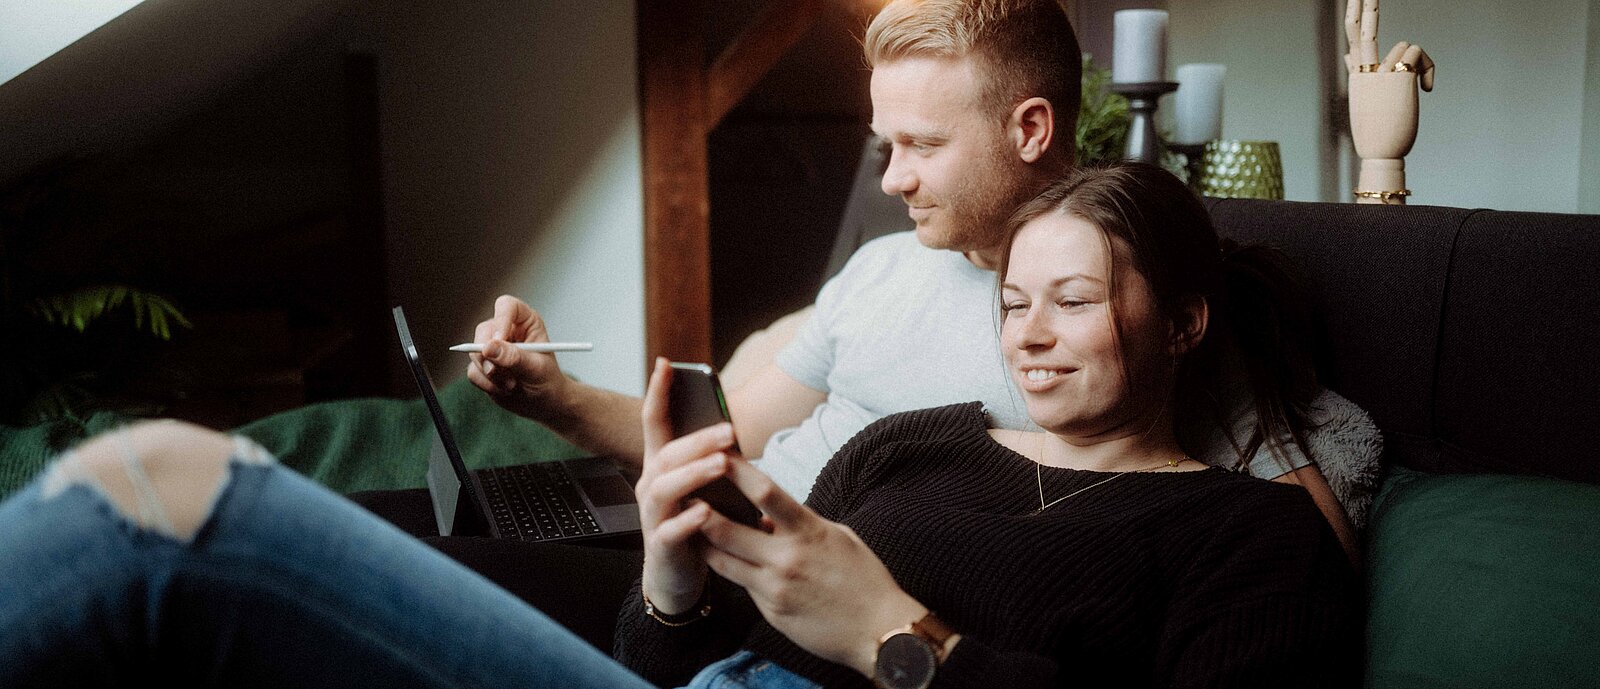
(1014, 306)
(1070, 303)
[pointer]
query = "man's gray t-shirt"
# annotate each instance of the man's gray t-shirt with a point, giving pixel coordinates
(901, 327)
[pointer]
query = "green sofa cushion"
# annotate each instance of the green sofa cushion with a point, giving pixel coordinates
(1483, 581)
(348, 446)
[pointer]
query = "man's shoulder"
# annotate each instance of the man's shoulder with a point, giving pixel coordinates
(896, 247)
(896, 254)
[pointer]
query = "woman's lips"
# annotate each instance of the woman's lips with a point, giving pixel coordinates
(1039, 379)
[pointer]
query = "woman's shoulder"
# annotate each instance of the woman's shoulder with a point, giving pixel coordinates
(1251, 507)
(949, 422)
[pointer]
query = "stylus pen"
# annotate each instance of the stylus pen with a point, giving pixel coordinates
(472, 348)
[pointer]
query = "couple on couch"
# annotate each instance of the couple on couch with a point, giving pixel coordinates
(952, 544)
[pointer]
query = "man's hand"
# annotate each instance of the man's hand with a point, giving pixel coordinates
(527, 383)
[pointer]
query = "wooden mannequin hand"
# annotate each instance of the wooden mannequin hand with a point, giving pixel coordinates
(1383, 103)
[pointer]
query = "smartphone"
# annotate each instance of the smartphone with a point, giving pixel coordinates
(695, 401)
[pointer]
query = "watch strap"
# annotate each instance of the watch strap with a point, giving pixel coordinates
(934, 631)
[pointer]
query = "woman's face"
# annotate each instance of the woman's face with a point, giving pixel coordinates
(1059, 338)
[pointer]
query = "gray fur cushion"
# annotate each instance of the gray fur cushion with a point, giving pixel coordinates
(1342, 439)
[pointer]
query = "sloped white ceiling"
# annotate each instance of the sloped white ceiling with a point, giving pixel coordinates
(32, 30)
(141, 71)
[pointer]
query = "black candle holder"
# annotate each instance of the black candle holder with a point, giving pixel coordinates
(1143, 142)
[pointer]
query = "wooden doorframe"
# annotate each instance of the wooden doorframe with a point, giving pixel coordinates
(682, 98)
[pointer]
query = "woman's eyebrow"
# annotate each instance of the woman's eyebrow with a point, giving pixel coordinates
(1075, 277)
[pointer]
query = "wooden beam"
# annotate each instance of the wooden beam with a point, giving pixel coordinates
(677, 224)
(680, 102)
(750, 56)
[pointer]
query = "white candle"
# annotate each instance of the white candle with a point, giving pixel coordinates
(1139, 50)
(1198, 103)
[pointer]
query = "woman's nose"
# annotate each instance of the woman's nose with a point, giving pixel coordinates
(1032, 329)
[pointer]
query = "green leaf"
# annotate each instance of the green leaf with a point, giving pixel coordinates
(79, 308)
(1102, 118)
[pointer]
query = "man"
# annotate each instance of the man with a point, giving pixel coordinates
(978, 100)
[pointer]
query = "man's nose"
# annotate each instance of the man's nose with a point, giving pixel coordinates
(898, 179)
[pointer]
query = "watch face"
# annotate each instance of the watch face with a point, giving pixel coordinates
(904, 662)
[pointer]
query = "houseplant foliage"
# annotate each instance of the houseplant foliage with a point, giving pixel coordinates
(1102, 118)
(66, 342)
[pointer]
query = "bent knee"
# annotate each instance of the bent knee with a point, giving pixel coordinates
(164, 476)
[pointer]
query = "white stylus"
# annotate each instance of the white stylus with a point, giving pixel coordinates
(472, 348)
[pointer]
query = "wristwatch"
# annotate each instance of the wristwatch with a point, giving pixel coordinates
(909, 655)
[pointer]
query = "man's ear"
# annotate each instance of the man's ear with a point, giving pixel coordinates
(1031, 128)
(1188, 327)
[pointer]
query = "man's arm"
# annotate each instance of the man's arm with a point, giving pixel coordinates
(605, 422)
(768, 402)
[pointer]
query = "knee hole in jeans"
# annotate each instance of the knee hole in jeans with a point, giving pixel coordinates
(162, 476)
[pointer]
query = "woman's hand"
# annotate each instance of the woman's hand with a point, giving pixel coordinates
(674, 573)
(813, 579)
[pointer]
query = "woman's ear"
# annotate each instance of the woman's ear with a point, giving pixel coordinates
(1188, 327)
(1031, 128)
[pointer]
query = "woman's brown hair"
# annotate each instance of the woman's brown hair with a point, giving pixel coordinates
(1260, 321)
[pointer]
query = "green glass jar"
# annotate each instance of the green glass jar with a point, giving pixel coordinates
(1233, 169)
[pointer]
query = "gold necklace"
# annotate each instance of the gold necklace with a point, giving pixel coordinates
(1038, 475)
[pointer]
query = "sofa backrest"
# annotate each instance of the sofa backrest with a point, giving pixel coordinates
(1465, 333)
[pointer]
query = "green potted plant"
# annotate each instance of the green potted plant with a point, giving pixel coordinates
(1102, 134)
(65, 344)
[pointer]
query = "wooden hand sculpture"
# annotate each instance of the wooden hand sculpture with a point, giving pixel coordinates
(1383, 104)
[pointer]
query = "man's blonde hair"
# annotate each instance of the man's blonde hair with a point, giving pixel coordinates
(1026, 48)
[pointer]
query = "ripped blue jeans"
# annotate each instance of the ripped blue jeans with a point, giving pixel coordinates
(283, 584)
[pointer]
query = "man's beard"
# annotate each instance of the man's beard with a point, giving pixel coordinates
(976, 212)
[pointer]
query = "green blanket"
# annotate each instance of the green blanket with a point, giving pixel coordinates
(348, 446)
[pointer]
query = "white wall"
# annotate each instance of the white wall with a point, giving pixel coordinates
(1502, 125)
(1270, 92)
(1589, 168)
(1502, 128)
(511, 144)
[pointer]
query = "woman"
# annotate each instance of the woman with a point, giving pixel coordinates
(1095, 553)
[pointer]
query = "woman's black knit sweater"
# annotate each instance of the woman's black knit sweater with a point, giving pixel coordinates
(1186, 579)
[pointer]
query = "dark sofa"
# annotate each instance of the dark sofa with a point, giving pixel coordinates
(1469, 337)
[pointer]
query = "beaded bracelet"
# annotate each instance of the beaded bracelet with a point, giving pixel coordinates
(1382, 195)
(682, 619)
